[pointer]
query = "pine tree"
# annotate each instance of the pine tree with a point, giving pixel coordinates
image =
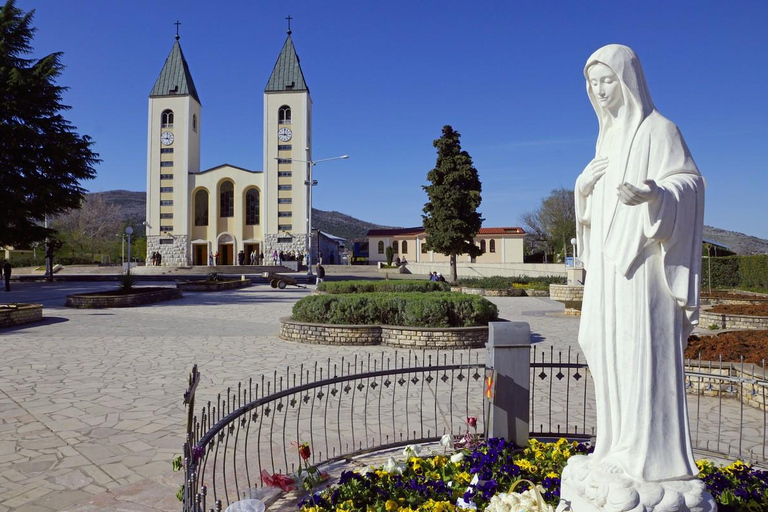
(42, 158)
(451, 219)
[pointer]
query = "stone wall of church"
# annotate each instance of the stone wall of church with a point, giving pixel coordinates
(271, 244)
(172, 249)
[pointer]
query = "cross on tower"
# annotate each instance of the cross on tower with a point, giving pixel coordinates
(289, 24)
(177, 29)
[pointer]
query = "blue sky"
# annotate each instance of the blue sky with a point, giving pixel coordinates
(386, 76)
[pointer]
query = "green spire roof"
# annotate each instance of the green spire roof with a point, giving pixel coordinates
(287, 75)
(175, 78)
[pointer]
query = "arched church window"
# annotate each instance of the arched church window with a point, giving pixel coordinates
(201, 208)
(492, 246)
(252, 207)
(482, 246)
(166, 119)
(284, 115)
(227, 199)
(405, 247)
(394, 246)
(381, 247)
(194, 122)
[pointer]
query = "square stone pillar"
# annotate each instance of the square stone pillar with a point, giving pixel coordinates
(508, 353)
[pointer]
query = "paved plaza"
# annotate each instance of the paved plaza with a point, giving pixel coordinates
(91, 410)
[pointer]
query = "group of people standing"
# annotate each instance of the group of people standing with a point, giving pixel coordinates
(278, 257)
(156, 259)
(436, 276)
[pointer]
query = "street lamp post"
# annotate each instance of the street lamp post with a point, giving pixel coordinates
(129, 232)
(310, 183)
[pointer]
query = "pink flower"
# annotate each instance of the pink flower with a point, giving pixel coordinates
(472, 421)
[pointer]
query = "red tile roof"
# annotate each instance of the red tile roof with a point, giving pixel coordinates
(419, 230)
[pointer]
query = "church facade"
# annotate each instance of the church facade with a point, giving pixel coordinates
(192, 213)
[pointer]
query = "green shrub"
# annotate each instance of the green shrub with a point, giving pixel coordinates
(126, 282)
(400, 286)
(390, 252)
(502, 283)
(439, 309)
(753, 272)
(725, 272)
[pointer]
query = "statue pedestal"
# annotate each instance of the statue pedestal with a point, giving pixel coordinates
(586, 487)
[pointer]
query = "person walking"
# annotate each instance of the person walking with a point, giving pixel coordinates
(320, 273)
(7, 275)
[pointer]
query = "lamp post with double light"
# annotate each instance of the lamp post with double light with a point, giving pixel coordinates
(309, 182)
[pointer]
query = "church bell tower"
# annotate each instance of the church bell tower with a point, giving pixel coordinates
(287, 151)
(173, 152)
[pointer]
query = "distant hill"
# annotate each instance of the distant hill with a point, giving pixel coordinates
(132, 207)
(736, 242)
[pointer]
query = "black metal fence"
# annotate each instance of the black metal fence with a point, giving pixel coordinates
(364, 404)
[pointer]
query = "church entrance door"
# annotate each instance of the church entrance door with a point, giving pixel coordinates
(225, 254)
(249, 248)
(200, 254)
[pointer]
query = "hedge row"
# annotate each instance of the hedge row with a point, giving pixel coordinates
(399, 286)
(502, 283)
(439, 309)
(736, 272)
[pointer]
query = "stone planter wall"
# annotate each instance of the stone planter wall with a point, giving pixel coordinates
(725, 321)
(213, 286)
(20, 314)
(570, 295)
(84, 300)
(392, 336)
(509, 292)
(434, 338)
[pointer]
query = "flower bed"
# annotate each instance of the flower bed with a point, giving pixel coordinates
(213, 286)
(480, 475)
(122, 299)
(437, 309)
(391, 336)
(723, 320)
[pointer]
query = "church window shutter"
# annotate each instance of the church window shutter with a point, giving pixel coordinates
(252, 207)
(166, 119)
(201, 208)
(227, 200)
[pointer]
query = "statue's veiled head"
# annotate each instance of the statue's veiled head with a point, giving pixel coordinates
(612, 67)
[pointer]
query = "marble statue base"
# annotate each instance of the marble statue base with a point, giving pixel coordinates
(586, 487)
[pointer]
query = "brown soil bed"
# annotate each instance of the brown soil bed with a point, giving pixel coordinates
(741, 309)
(753, 345)
(733, 295)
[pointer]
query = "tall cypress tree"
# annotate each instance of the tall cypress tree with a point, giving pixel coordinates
(451, 219)
(42, 158)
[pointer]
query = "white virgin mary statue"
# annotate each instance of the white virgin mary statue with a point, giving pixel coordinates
(639, 215)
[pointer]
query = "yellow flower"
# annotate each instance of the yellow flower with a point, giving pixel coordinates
(462, 477)
(567, 454)
(438, 461)
(391, 505)
(552, 474)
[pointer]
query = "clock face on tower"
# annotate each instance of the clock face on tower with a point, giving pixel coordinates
(166, 138)
(284, 134)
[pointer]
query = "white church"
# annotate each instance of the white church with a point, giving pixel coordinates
(193, 213)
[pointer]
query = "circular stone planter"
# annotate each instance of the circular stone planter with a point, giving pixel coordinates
(387, 335)
(213, 286)
(728, 321)
(113, 299)
(17, 314)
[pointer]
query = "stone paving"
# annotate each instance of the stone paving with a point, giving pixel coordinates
(90, 400)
